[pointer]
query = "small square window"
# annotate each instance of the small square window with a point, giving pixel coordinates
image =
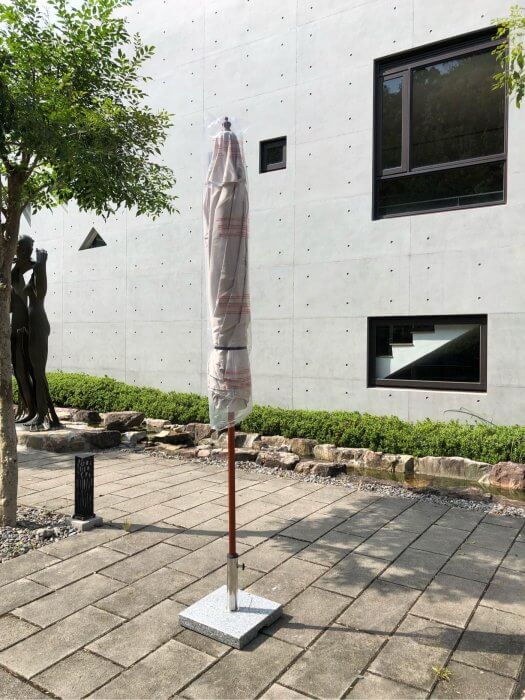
(272, 155)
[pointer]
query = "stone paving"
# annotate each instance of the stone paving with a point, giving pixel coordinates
(382, 595)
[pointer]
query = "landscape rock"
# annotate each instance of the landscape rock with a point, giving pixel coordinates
(273, 459)
(304, 447)
(508, 475)
(401, 464)
(200, 431)
(133, 437)
(320, 468)
(351, 456)
(169, 450)
(240, 439)
(64, 413)
(275, 442)
(60, 441)
(203, 453)
(253, 441)
(372, 460)
(84, 416)
(325, 451)
(155, 424)
(123, 420)
(452, 467)
(101, 439)
(241, 455)
(172, 437)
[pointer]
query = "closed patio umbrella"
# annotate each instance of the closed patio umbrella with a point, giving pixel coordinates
(226, 238)
(227, 614)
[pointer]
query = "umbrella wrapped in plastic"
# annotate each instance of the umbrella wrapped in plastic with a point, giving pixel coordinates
(227, 614)
(226, 246)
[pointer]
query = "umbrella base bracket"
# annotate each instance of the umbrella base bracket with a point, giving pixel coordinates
(210, 616)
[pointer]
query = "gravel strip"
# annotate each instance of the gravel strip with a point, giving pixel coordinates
(353, 482)
(34, 528)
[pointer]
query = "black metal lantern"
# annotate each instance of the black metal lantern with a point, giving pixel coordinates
(84, 487)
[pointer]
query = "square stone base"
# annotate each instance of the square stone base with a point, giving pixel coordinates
(210, 616)
(83, 525)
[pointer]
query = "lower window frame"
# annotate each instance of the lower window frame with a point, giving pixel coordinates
(474, 387)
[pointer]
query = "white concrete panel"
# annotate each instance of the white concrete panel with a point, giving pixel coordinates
(434, 21)
(339, 166)
(99, 301)
(164, 297)
(333, 230)
(478, 228)
(44, 226)
(177, 89)
(55, 349)
(449, 405)
(345, 39)
(311, 10)
(177, 344)
(349, 90)
(274, 189)
(330, 348)
(94, 345)
(231, 23)
(272, 348)
(481, 282)
(272, 391)
(271, 241)
(167, 381)
(271, 292)
(505, 355)
(243, 72)
(180, 36)
(161, 248)
(367, 287)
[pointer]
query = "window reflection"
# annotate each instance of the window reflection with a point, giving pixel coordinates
(455, 112)
(392, 123)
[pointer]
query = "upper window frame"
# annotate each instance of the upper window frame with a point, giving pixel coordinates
(401, 65)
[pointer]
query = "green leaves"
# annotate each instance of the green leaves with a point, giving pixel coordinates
(75, 123)
(510, 54)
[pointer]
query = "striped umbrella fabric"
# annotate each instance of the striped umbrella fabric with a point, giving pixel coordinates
(226, 250)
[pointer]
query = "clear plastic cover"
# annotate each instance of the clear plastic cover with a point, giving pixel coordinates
(226, 253)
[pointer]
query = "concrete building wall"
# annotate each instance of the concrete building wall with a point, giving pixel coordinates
(319, 264)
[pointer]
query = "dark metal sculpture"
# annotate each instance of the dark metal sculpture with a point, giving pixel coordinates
(29, 337)
(84, 488)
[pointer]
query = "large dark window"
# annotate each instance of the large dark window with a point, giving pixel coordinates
(440, 129)
(428, 352)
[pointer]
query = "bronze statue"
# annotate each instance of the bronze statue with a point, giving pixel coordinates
(29, 337)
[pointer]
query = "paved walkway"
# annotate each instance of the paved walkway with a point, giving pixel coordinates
(380, 594)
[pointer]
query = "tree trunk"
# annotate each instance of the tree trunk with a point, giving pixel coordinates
(8, 440)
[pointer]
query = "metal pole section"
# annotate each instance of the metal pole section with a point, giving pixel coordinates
(232, 564)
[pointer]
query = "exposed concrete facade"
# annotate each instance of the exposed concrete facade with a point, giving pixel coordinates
(319, 264)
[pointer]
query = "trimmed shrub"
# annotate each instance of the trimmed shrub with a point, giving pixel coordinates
(486, 443)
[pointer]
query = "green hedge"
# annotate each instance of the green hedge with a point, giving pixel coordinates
(350, 429)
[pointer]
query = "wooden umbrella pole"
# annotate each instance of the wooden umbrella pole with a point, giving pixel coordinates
(232, 546)
(232, 563)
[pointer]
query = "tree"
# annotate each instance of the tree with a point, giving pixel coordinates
(511, 56)
(73, 127)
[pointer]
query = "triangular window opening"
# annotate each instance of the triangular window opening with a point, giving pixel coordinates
(93, 240)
